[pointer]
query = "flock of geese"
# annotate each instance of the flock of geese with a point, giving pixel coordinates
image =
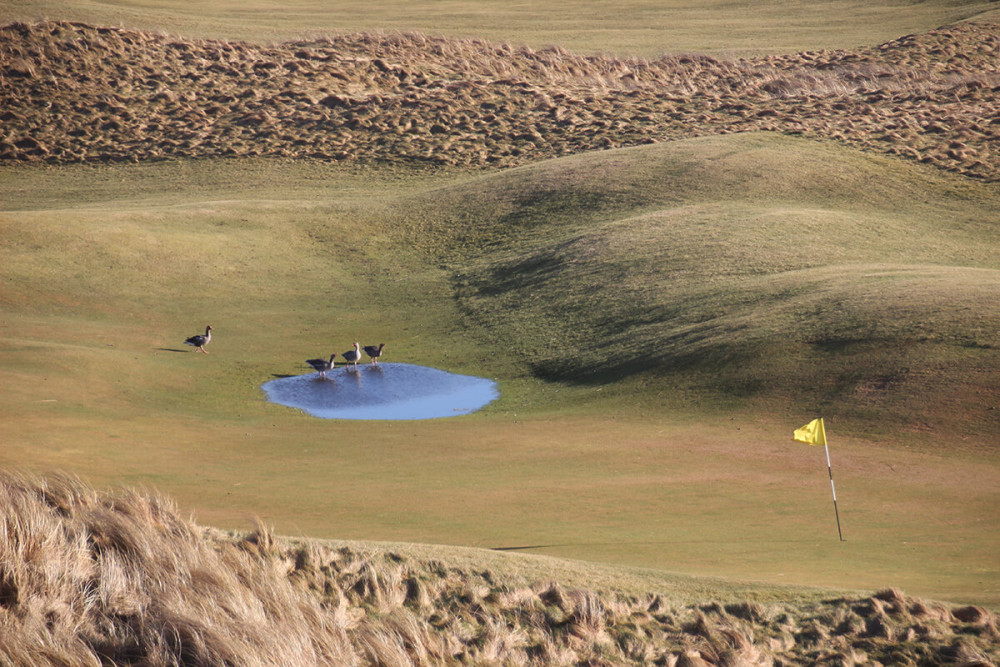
(352, 357)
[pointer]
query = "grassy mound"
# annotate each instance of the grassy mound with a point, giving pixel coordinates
(755, 267)
(119, 578)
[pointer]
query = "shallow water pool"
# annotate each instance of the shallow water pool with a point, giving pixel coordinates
(383, 391)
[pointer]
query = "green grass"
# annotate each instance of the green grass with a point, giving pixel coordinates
(734, 264)
(106, 271)
(641, 27)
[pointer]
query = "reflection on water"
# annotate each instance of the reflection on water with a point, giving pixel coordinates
(385, 391)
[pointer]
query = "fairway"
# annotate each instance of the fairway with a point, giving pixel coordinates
(633, 28)
(636, 473)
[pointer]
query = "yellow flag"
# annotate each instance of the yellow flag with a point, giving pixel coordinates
(812, 433)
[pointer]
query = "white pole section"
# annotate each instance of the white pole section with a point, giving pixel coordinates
(833, 490)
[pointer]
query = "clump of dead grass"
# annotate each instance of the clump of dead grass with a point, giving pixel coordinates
(120, 578)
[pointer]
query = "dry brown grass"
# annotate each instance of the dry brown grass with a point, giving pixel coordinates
(90, 578)
(78, 93)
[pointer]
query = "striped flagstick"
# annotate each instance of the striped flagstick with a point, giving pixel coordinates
(814, 433)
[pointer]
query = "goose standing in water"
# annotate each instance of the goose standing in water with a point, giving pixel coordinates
(374, 352)
(322, 365)
(200, 341)
(352, 356)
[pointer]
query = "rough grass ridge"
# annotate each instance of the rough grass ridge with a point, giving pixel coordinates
(78, 93)
(119, 578)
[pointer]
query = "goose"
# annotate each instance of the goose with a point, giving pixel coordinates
(352, 356)
(374, 352)
(200, 341)
(322, 365)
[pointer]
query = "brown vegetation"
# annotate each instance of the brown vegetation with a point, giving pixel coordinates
(90, 578)
(71, 92)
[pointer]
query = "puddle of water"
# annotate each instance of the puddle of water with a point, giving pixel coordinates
(386, 391)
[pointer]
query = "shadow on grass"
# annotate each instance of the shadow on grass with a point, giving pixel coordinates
(529, 546)
(665, 541)
(714, 361)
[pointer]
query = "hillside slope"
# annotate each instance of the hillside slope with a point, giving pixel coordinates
(753, 266)
(643, 468)
(749, 272)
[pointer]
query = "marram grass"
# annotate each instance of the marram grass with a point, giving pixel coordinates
(92, 578)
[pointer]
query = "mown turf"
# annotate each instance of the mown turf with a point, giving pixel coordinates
(762, 269)
(292, 261)
(637, 27)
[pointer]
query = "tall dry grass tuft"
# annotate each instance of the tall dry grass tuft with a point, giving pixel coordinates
(587, 620)
(384, 648)
(122, 579)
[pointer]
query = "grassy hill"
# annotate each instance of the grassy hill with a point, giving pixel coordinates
(128, 95)
(768, 271)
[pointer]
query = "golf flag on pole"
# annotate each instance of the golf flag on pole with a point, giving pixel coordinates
(814, 433)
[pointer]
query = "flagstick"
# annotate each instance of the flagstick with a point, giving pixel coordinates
(833, 490)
